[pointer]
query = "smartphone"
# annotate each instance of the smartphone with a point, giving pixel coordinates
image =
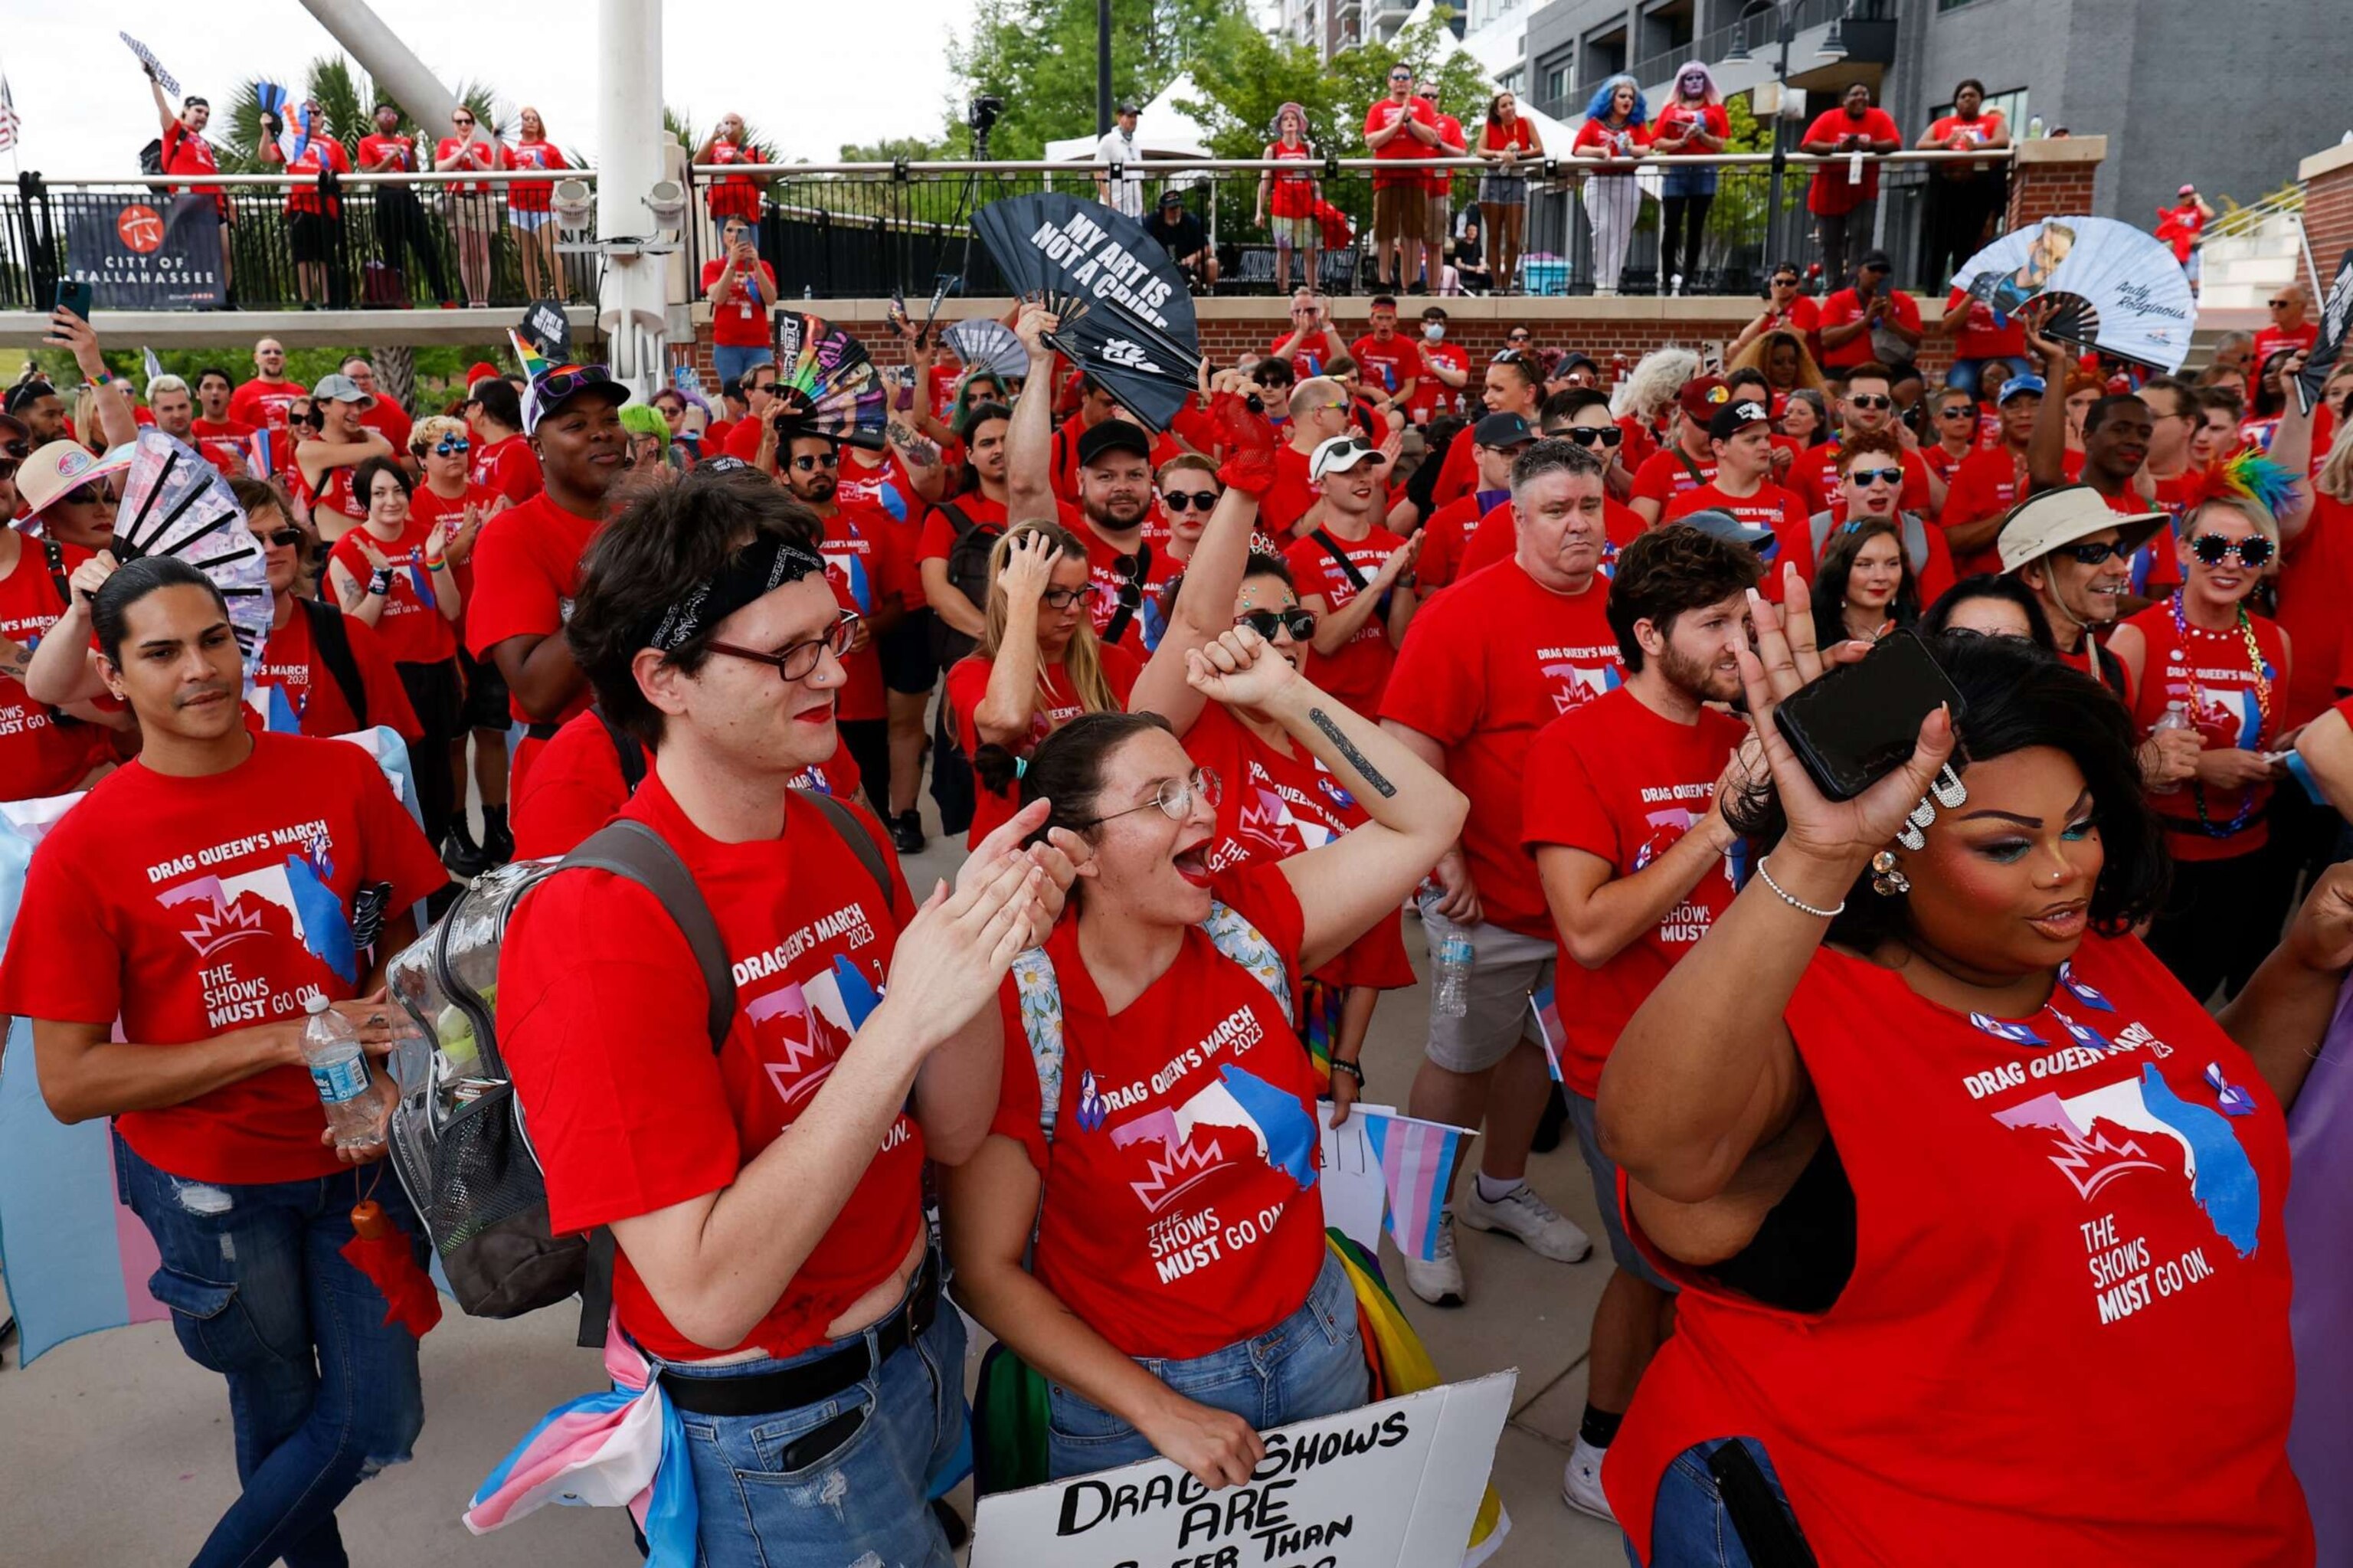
(1860, 722)
(74, 296)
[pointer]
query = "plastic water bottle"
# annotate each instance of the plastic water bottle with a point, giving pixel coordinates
(1450, 987)
(339, 1070)
(2175, 716)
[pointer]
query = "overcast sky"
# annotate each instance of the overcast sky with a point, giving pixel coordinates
(808, 75)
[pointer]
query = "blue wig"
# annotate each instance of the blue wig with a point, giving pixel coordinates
(1600, 107)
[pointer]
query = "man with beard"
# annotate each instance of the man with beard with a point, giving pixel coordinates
(1496, 658)
(1636, 861)
(1114, 490)
(870, 575)
(265, 399)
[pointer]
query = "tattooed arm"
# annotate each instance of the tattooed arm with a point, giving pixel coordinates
(922, 461)
(1352, 883)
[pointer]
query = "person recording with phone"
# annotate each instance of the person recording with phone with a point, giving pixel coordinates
(1859, 1123)
(741, 289)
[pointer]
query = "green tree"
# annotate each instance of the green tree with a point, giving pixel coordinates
(1040, 57)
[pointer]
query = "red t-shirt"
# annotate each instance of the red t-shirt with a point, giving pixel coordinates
(2052, 1234)
(1444, 536)
(1387, 366)
(1357, 672)
(1056, 705)
(600, 1001)
(1497, 538)
(412, 626)
(1831, 193)
(1430, 391)
(884, 486)
(507, 466)
(1986, 484)
(1816, 481)
(1678, 115)
(731, 196)
(1618, 142)
(1978, 338)
(1622, 783)
(2178, 227)
(38, 755)
(2314, 586)
(319, 155)
(526, 569)
(186, 153)
(1665, 474)
(1845, 306)
(938, 536)
(2271, 340)
(391, 420)
(1771, 507)
(1293, 196)
(477, 155)
(1405, 144)
(1492, 661)
(1108, 579)
(428, 507)
(1450, 145)
(256, 403)
(1191, 1220)
(866, 567)
(1291, 496)
(1315, 351)
(531, 196)
(193, 908)
(374, 147)
(736, 320)
(291, 663)
(2232, 704)
(226, 443)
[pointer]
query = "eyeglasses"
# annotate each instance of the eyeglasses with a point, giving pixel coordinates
(797, 660)
(821, 460)
(452, 446)
(1199, 500)
(1062, 599)
(282, 538)
(2213, 549)
(2094, 553)
(1175, 797)
(1876, 475)
(1300, 623)
(1869, 400)
(1603, 436)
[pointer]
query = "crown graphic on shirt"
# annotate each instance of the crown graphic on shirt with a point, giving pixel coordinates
(2091, 1163)
(221, 925)
(1163, 1179)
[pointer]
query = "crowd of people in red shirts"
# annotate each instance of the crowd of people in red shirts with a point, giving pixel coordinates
(1369, 630)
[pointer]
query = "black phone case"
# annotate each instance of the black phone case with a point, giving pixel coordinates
(1841, 776)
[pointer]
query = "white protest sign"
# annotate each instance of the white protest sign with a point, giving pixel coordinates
(1394, 1485)
(1354, 1197)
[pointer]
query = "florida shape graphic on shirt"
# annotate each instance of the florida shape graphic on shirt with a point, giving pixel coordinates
(293, 899)
(1577, 684)
(1282, 1134)
(819, 1017)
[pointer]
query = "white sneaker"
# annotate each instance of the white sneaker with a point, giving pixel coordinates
(1439, 1281)
(1523, 1215)
(1580, 1482)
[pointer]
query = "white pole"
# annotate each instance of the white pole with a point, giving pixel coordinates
(394, 70)
(628, 162)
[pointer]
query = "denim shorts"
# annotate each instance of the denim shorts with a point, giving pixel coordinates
(1310, 1364)
(1690, 1527)
(1622, 1250)
(766, 1501)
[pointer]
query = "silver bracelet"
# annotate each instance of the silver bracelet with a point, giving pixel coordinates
(1782, 894)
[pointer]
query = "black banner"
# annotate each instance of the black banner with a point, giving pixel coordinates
(145, 253)
(2330, 345)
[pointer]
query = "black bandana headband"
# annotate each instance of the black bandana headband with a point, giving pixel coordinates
(767, 564)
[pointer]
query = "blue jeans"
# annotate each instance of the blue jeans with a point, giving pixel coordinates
(1310, 1364)
(866, 1498)
(728, 362)
(321, 1392)
(1689, 1528)
(1964, 372)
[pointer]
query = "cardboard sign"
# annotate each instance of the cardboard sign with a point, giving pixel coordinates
(1394, 1485)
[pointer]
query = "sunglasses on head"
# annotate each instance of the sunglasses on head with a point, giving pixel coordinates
(557, 384)
(1604, 436)
(1877, 475)
(809, 460)
(1870, 400)
(1199, 500)
(1300, 623)
(2213, 549)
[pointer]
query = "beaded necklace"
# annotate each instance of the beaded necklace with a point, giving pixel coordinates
(2261, 669)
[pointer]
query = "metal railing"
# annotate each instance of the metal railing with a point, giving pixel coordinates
(861, 230)
(382, 242)
(2241, 221)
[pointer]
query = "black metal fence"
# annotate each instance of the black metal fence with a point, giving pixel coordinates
(862, 230)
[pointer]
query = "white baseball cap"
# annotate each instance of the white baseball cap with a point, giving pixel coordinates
(1339, 454)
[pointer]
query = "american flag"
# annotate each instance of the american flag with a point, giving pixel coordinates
(8, 121)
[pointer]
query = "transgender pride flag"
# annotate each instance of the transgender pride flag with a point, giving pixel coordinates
(1549, 1033)
(1416, 1161)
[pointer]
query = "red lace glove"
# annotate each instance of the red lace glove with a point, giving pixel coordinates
(1249, 440)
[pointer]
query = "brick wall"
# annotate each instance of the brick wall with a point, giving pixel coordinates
(2327, 210)
(1231, 327)
(2054, 178)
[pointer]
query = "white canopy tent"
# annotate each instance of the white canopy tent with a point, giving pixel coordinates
(1162, 130)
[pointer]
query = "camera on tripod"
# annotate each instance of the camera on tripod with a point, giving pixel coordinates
(981, 115)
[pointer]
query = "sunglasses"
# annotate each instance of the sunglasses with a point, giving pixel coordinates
(8, 468)
(94, 494)
(452, 446)
(1199, 500)
(1174, 797)
(1869, 400)
(1785, 283)
(1300, 623)
(797, 660)
(1603, 436)
(2092, 555)
(461, 120)
(1876, 475)
(282, 538)
(314, 418)
(2276, 304)
(2213, 549)
(1517, 337)
(1958, 411)
(822, 459)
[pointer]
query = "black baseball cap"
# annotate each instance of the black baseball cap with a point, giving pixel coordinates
(1496, 431)
(1874, 261)
(1172, 199)
(1735, 417)
(1114, 436)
